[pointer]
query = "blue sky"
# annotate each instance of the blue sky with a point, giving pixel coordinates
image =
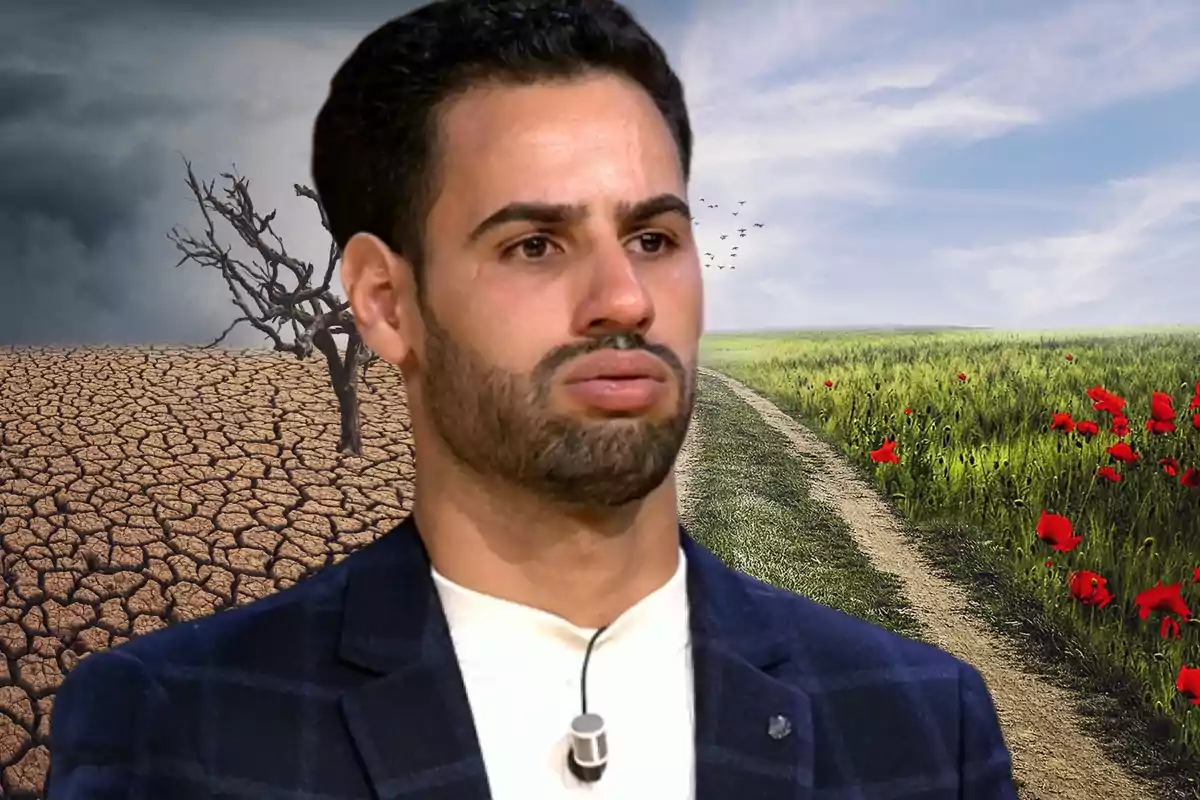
(1034, 165)
(1010, 164)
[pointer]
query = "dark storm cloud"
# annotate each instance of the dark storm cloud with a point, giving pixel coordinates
(78, 172)
(96, 100)
(121, 108)
(284, 11)
(29, 95)
(58, 168)
(64, 210)
(90, 194)
(24, 93)
(351, 13)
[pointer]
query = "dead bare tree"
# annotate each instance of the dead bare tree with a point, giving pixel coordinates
(314, 313)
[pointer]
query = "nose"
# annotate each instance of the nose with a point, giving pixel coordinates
(616, 298)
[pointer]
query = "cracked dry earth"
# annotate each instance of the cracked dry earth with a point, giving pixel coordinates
(1051, 752)
(140, 487)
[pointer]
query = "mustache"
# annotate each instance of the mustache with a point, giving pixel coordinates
(613, 341)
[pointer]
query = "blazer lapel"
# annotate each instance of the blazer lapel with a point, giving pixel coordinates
(413, 728)
(412, 725)
(754, 732)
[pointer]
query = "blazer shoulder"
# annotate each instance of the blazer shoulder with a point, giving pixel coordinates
(106, 692)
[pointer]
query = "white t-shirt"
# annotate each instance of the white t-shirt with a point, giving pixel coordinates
(521, 667)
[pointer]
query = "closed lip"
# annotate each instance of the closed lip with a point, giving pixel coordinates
(617, 365)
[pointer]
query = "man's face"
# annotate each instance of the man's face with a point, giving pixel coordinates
(563, 297)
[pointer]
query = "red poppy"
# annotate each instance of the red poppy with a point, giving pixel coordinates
(1085, 427)
(1167, 600)
(1089, 588)
(1190, 478)
(1170, 466)
(1061, 421)
(1159, 427)
(828, 384)
(1057, 531)
(1120, 425)
(1188, 683)
(1162, 406)
(1105, 400)
(886, 454)
(1122, 452)
(1196, 421)
(1049, 563)
(1164, 598)
(1070, 357)
(1109, 474)
(1162, 414)
(907, 411)
(1195, 403)
(962, 376)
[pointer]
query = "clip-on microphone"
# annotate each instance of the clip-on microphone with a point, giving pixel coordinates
(587, 755)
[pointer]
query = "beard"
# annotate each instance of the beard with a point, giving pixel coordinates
(501, 424)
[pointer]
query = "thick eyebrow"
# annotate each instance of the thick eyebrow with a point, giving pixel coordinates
(629, 214)
(632, 214)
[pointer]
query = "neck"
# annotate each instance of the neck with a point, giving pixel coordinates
(586, 567)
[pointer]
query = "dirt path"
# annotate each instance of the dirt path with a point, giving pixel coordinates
(1051, 754)
(683, 465)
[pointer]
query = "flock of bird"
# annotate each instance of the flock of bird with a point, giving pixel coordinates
(741, 232)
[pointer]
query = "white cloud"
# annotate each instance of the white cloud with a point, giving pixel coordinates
(725, 44)
(1136, 234)
(1088, 55)
(808, 108)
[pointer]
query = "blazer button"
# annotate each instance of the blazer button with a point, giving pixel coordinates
(779, 726)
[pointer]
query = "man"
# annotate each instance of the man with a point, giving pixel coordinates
(507, 182)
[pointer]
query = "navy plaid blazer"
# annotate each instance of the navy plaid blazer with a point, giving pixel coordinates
(346, 686)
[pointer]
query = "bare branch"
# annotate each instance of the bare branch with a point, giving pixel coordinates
(221, 338)
(274, 288)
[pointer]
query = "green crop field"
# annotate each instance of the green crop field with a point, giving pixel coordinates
(1096, 525)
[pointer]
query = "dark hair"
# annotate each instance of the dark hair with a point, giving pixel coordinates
(375, 141)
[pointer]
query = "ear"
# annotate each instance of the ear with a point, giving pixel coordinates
(382, 293)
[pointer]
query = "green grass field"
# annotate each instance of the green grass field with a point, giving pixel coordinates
(979, 463)
(753, 510)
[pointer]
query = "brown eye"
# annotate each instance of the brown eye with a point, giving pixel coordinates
(534, 247)
(653, 243)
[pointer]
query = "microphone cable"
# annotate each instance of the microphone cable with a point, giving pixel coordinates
(587, 755)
